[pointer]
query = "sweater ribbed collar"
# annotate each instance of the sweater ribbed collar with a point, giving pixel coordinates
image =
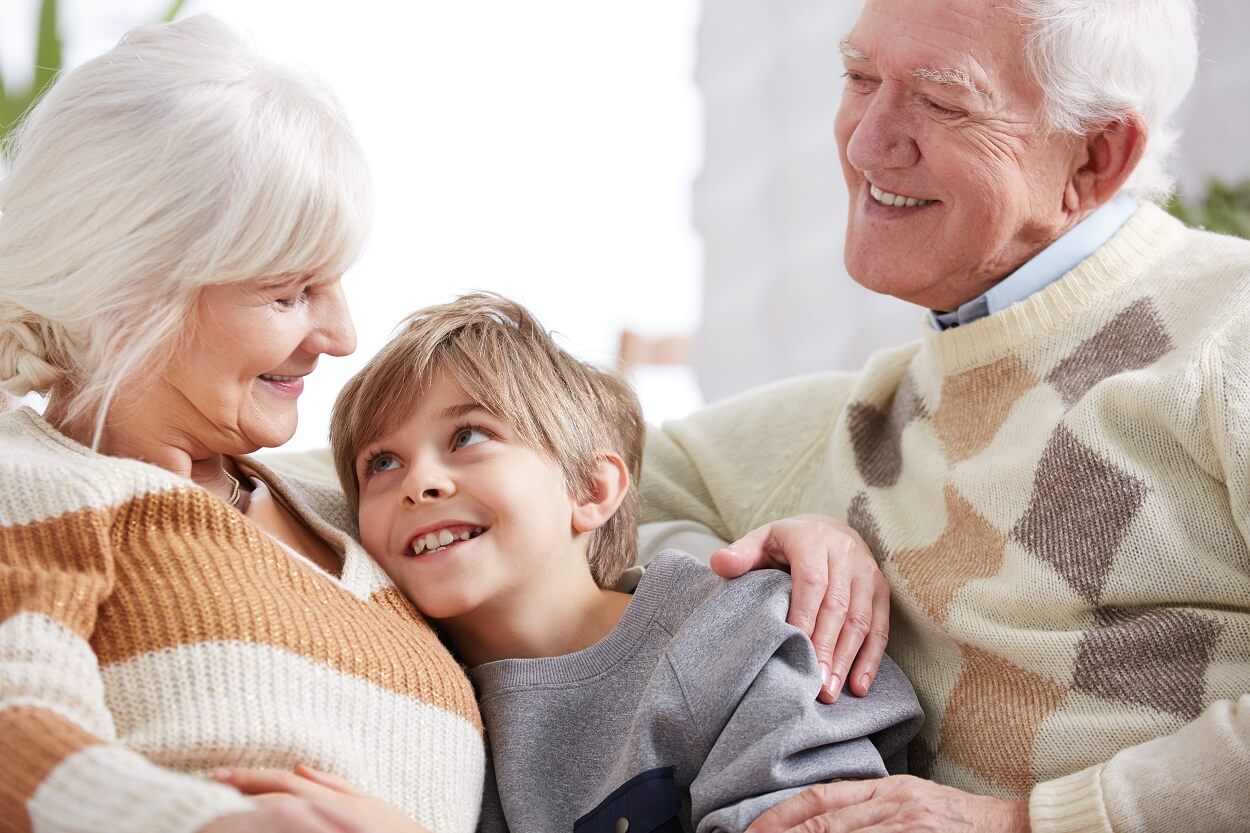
(1109, 272)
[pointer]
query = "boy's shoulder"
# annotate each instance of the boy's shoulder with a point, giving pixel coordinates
(700, 609)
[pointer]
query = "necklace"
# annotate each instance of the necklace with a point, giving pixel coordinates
(235, 489)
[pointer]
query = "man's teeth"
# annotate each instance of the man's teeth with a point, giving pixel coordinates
(897, 200)
(434, 541)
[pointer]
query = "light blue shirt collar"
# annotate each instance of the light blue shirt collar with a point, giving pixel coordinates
(1047, 266)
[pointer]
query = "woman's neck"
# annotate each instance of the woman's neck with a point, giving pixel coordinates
(159, 445)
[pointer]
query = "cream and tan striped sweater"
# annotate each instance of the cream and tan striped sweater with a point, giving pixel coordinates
(1060, 498)
(149, 633)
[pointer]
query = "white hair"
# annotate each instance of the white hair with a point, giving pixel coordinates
(1099, 60)
(179, 159)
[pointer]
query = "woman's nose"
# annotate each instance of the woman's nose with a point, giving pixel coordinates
(333, 332)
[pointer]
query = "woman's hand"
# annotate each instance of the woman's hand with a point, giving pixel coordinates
(840, 599)
(899, 804)
(325, 795)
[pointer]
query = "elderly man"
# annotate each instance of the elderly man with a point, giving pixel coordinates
(1056, 478)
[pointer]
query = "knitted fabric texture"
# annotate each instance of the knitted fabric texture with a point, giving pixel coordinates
(149, 633)
(1059, 497)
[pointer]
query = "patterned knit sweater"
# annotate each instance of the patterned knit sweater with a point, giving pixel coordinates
(1059, 495)
(150, 633)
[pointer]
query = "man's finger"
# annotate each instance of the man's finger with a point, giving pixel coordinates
(809, 575)
(750, 552)
(864, 671)
(855, 624)
(812, 803)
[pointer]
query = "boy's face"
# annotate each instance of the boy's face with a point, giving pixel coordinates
(459, 512)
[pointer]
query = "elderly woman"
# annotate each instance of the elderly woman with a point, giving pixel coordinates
(174, 230)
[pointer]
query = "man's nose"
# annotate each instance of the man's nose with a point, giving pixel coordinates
(884, 137)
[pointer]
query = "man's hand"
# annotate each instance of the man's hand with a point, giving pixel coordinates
(328, 796)
(899, 804)
(840, 599)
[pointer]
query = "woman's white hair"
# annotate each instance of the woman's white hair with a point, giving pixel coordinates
(1098, 60)
(179, 159)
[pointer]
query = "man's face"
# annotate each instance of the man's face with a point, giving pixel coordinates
(940, 111)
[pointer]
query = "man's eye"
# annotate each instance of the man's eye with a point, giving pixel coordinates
(469, 436)
(857, 80)
(939, 109)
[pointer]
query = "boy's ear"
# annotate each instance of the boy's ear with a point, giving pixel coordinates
(608, 487)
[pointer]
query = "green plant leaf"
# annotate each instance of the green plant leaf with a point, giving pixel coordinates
(175, 8)
(48, 53)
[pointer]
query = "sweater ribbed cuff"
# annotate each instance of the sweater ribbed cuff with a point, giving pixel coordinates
(1072, 804)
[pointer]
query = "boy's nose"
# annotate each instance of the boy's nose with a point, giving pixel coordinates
(427, 486)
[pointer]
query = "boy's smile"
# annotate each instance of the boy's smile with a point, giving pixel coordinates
(438, 537)
(464, 516)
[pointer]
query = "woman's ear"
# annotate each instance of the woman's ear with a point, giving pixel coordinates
(608, 487)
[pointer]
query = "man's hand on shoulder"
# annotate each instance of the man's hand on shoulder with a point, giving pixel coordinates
(840, 599)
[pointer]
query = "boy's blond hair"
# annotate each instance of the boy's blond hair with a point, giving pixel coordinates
(560, 406)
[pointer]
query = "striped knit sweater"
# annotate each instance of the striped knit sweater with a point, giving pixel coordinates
(149, 633)
(1059, 495)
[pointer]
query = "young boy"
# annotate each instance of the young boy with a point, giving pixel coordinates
(494, 476)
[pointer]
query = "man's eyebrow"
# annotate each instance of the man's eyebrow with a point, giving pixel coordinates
(951, 78)
(851, 51)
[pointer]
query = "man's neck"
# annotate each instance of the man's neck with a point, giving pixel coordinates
(545, 619)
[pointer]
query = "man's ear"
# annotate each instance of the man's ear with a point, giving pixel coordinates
(608, 487)
(1112, 154)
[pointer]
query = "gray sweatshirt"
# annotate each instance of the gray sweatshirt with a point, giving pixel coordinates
(696, 713)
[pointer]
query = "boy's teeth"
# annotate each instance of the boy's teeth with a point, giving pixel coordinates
(433, 541)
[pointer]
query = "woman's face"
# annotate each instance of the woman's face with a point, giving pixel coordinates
(233, 388)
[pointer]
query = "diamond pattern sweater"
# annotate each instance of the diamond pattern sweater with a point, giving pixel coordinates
(150, 633)
(1059, 495)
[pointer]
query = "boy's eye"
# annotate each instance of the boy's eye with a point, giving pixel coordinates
(379, 463)
(468, 436)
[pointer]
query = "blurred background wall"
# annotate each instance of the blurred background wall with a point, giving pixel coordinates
(662, 170)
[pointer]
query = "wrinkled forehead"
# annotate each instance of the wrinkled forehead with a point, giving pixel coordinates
(979, 45)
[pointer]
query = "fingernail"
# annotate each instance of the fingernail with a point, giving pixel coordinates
(866, 681)
(221, 774)
(824, 675)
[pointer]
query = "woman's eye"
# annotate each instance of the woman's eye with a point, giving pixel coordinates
(468, 436)
(291, 303)
(379, 463)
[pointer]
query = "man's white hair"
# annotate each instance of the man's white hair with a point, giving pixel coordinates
(1098, 60)
(179, 159)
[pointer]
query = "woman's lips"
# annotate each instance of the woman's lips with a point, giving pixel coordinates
(289, 387)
